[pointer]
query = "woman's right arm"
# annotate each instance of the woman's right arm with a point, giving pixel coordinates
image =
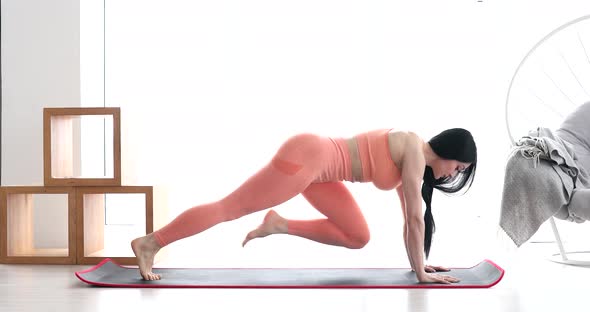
(412, 170)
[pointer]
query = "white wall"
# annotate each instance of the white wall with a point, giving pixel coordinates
(40, 68)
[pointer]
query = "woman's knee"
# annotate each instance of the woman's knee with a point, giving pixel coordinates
(231, 210)
(359, 240)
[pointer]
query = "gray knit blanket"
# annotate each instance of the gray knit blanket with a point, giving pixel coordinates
(540, 178)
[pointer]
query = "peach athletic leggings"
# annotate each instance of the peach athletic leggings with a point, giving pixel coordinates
(306, 164)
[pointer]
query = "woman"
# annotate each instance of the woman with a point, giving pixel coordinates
(316, 167)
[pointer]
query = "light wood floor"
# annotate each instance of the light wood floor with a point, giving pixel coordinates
(531, 283)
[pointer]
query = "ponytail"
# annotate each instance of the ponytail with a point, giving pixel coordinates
(429, 227)
(457, 144)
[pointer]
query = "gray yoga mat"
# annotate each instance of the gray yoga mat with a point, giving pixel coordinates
(110, 274)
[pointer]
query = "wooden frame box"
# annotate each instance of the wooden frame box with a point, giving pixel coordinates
(90, 213)
(17, 227)
(59, 150)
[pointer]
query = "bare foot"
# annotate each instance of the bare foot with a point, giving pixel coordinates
(145, 248)
(273, 224)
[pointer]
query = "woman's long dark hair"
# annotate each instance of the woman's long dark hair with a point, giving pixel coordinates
(456, 144)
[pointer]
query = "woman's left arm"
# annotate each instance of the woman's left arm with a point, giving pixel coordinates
(400, 194)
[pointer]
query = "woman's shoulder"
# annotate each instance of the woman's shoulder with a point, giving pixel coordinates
(404, 136)
(402, 142)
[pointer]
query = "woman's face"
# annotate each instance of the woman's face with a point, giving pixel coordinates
(448, 168)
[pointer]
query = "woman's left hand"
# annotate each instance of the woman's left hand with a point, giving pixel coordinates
(434, 268)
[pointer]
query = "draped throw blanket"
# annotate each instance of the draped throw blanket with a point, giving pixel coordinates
(540, 178)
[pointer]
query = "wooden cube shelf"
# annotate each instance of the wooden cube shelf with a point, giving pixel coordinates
(61, 128)
(17, 239)
(90, 212)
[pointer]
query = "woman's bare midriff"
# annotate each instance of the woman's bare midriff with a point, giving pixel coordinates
(355, 160)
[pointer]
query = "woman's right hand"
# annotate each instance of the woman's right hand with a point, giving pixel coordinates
(437, 278)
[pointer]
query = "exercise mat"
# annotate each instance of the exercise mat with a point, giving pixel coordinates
(110, 274)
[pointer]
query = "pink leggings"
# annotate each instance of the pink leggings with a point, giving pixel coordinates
(305, 164)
